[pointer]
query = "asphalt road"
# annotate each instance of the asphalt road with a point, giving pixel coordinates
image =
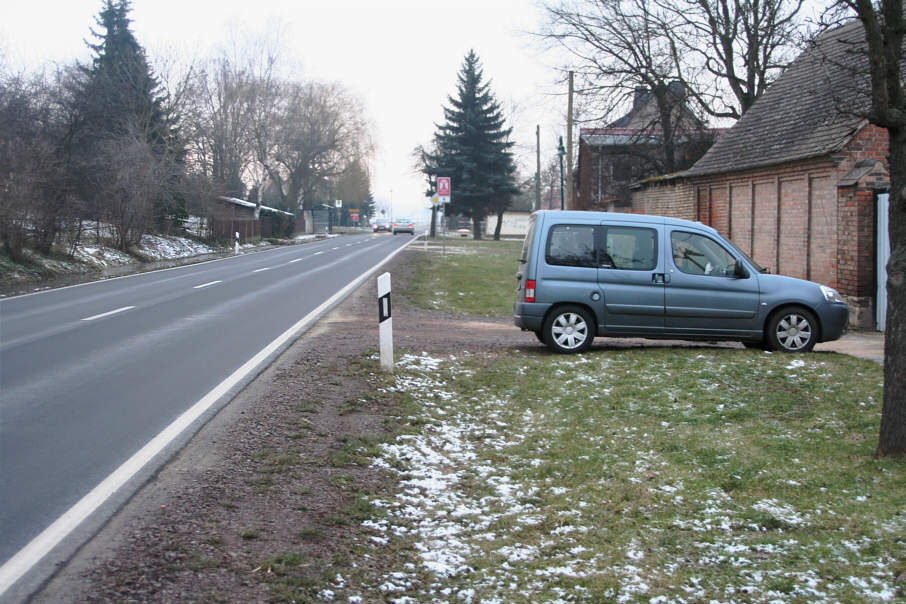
(91, 373)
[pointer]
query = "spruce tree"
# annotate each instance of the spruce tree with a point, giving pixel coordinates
(473, 148)
(118, 100)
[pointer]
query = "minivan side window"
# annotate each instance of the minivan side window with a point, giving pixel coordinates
(571, 245)
(699, 255)
(630, 248)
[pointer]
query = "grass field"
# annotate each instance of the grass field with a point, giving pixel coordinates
(642, 475)
(475, 277)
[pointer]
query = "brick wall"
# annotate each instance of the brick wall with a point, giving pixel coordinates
(856, 251)
(673, 197)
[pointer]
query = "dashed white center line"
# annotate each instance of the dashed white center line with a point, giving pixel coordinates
(335, 248)
(107, 314)
(207, 284)
(316, 253)
(296, 260)
(266, 268)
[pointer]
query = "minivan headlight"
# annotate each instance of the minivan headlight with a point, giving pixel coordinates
(830, 294)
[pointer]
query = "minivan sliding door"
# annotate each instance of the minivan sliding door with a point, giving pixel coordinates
(631, 279)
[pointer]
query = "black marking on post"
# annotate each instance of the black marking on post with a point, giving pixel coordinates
(384, 308)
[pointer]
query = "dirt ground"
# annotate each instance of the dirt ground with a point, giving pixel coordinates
(273, 480)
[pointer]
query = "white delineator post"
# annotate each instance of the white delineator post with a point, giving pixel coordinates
(385, 322)
(236, 244)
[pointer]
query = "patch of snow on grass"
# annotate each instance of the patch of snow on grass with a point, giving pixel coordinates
(781, 512)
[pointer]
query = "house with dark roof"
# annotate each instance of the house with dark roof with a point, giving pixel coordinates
(798, 181)
(631, 148)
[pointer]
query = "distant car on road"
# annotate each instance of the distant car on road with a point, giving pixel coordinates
(381, 226)
(403, 225)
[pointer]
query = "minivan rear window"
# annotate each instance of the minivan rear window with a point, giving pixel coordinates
(529, 237)
(571, 245)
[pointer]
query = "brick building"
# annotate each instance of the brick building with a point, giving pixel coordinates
(797, 181)
(611, 159)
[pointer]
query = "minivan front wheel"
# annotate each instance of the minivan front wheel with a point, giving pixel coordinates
(792, 330)
(568, 329)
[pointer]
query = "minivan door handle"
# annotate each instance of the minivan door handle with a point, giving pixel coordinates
(660, 278)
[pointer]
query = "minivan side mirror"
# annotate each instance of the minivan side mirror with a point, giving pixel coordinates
(740, 271)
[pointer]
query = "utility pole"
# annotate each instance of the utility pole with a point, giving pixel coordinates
(561, 152)
(569, 143)
(537, 205)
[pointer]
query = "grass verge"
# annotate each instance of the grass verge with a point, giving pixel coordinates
(475, 278)
(661, 474)
(655, 474)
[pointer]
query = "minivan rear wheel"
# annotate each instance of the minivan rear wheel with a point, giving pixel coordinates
(792, 329)
(568, 329)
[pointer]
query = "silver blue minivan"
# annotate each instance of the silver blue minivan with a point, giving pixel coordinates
(588, 274)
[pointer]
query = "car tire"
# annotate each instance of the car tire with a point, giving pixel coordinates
(568, 329)
(539, 335)
(792, 329)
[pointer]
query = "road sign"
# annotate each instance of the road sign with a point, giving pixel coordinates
(444, 188)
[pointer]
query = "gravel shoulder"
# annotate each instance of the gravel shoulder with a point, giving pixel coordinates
(275, 479)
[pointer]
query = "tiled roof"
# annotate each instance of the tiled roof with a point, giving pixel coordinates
(804, 113)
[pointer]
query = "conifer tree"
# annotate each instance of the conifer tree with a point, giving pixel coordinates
(473, 148)
(119, 104)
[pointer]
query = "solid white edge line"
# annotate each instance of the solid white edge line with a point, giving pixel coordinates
(207, 284)
(107, 314)
(49, 538)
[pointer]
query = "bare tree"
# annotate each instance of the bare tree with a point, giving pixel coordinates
(740, 45)
(884, 24)
(723, 53)
(129, 177)
(221, 125)
(315, 132)
(35, 197)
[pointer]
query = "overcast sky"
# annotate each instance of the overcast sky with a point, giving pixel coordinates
(400, 56)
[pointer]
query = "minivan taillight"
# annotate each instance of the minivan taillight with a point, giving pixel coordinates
(530, 290)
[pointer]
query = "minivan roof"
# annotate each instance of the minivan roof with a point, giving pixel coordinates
(623, 217)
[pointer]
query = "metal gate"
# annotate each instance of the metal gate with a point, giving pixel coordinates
(321, 220)
(883, 254)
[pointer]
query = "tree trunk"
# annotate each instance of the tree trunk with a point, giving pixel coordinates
(892, 438)
(499, 225)
(476, 227)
